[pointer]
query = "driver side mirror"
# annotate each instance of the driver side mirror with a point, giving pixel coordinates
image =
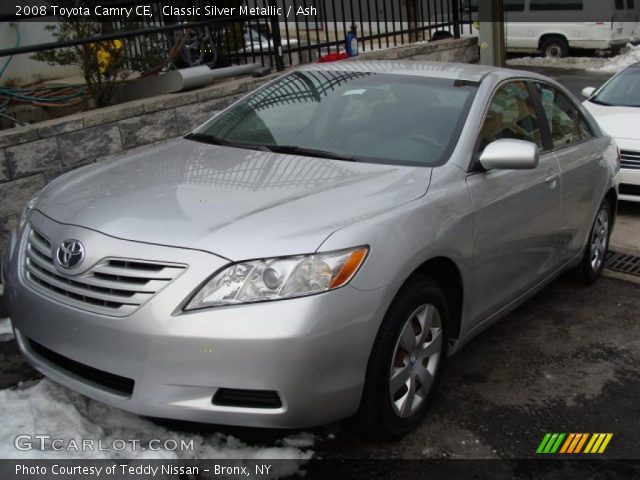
(588, 91)
(510, 154)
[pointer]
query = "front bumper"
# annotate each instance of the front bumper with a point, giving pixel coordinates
(313, 351)
(629, 182)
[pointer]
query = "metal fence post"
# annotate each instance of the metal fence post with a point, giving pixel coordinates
(277, 38)
(455, 10)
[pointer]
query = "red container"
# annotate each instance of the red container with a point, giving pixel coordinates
(332, 57)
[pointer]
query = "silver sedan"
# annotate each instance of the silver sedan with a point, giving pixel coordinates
(317, 249)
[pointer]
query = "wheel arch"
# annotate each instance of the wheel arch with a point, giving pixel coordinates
(446, 273)
(612, 197)
(548, 35)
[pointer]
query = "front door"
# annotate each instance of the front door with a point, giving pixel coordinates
(517, 212)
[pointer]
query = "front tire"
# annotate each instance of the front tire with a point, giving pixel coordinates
(595, 255)
(406, 361)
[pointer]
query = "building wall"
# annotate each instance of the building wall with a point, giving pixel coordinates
(22, 69)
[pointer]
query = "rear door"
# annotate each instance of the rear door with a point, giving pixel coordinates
(580, 158)
(517, 212)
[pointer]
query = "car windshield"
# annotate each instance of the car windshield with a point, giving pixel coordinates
(622, 91)
(357, 116)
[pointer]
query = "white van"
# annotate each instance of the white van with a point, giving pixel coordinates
(540, 26)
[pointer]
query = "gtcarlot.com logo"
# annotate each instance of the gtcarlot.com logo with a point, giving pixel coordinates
(27, 442)
(574, 443)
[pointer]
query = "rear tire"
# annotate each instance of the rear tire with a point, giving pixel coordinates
(554, 46)
(406, 361)
(595, 254)
(441, 35)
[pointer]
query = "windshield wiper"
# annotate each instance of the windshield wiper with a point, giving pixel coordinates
(600, 102)
(201, 137)
(286, 149)
(309, 152)
(213, 140)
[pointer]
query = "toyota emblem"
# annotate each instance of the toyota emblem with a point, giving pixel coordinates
(70, 254)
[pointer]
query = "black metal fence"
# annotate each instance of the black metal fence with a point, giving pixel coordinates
(274, 40)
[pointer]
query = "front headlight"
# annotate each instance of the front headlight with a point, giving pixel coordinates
(26, 211)
(279, 278)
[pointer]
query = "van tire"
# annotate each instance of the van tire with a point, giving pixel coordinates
(554, 46)
(441, 35)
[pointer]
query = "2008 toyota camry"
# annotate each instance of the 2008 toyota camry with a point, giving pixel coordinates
(317, 249)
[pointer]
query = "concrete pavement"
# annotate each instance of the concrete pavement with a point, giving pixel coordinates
(626, 234)
(566, 361)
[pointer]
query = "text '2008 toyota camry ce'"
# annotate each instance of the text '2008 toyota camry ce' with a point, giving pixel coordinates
(315, 250)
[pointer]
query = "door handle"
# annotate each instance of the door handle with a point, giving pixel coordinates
(553, 176)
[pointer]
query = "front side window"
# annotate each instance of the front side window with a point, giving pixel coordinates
(565, 122)
(511, 114)
(350, 115)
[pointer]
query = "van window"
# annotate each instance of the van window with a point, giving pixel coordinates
(619, 4)
(468, 6)
(566, 124)
(511, 115)
(631, 4)
(541, 5)
(514, 6)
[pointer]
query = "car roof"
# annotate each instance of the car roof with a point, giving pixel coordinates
(450, 70)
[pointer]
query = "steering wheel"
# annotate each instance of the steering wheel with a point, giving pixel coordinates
(424, 139)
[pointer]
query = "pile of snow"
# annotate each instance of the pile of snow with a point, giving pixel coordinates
(580, 63)
(629, 55)
(6, 333)
(44, 407)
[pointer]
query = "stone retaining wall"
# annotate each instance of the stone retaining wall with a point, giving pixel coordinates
(32, 156)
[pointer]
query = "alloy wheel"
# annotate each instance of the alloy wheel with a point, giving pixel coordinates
(599, 240)
(415, 360)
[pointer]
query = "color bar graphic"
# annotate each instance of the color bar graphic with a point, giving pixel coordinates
(574, 443)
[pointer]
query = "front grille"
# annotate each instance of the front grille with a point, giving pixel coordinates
(232, 397)
(109, 381)
(626, 189)
(630, 159)
(113, 286)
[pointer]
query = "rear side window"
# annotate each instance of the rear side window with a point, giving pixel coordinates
(565, 121)
(511, 114)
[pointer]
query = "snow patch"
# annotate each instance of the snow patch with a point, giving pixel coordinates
(301, 440)
(580, 63)
(628, 56)
(47, 408)
(6, 332)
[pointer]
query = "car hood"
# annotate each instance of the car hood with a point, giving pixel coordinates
(617, 122)
(233, 202)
